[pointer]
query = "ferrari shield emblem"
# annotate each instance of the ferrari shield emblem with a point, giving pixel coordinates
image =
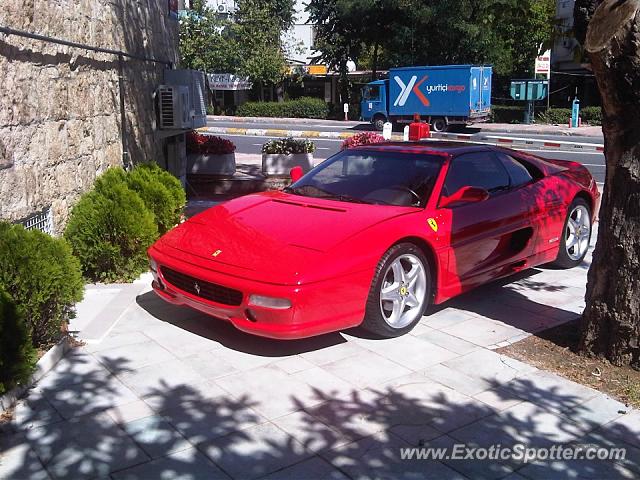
(216, 253)
(433, 224)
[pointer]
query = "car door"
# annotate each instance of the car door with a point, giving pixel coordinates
(488, 238)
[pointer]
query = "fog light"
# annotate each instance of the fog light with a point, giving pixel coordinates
(153, 265)
(269, 302)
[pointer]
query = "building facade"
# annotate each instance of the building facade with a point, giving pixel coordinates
(67, 113)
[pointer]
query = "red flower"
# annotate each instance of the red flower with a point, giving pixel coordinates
(364, 138)
(209, 144)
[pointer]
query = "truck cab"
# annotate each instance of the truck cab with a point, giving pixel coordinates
(373, 106)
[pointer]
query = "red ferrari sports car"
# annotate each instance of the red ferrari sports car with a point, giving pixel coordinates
(375, 234)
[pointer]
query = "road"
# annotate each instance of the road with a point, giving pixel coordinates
(595, 162)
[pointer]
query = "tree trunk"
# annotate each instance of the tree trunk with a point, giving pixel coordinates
(611, 321)
(374, 66)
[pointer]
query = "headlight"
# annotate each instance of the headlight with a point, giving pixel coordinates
(153, 265)
(269, 302)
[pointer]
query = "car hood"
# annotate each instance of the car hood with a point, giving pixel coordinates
(273, 236)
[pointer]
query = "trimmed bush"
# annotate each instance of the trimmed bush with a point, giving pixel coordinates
(17, 355)
(304, 107)
(161, 193)
(591, 115)
(555, 116)
(42, 277)
(110, 229)
(506, 114)
(209, 144)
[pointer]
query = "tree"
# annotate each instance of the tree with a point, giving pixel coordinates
(204, 41)
(611, 321)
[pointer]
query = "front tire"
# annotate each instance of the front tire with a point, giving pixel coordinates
(400, 291)
(438, 125)
(378, 122)
(576, 235)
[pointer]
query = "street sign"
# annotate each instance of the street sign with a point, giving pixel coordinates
(543, 64)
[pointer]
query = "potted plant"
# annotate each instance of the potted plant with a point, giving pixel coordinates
(364, 138)
(281, 155)
(211, 155)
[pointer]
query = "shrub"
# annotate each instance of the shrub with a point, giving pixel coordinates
(555, 116)
(209, 144)
(364, 138)
(17, 355)
(506, 114)
(110, 229)
(304, 107)
(591, 115)
(161, 193)
(288, 146)
(42, 277)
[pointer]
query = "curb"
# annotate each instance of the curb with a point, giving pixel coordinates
(464, 137)
(303, 121)
(43, 366)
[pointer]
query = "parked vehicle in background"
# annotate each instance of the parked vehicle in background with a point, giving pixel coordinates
(443, 95)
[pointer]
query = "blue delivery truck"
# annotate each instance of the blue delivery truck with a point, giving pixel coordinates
(442, 95)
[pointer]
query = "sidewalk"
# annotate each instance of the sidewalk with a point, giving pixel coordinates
(511, 128)
(169, 392)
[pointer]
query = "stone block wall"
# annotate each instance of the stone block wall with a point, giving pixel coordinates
(60, 106)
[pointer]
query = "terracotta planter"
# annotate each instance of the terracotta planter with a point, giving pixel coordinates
(280, 164)
(211, 164)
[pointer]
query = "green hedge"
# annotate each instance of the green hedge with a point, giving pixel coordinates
(304, 107)
(554, 116)
(17, 355)
(161, 192)
(591, 115)
(110, 229)
(43, 278)
(506, 114)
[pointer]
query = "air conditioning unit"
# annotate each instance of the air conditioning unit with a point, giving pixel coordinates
(174, 107)
(194, 81)
(222, 8)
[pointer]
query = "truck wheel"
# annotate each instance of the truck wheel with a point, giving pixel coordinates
(378, 122)
(439, 125)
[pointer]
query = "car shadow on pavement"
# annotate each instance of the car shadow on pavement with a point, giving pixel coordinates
(87, 425)
(226, 334)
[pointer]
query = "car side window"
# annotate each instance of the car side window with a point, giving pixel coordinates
(517, 171)
(478, 169)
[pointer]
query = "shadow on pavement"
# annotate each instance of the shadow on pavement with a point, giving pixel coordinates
(86, 425)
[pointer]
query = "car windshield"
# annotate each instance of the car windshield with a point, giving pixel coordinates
(376, 177)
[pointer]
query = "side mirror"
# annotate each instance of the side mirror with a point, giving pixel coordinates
(296, 173)
(465, 195)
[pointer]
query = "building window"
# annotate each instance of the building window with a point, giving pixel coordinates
(42, 221)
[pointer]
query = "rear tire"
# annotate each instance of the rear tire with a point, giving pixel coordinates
(400, 291)
(439, 125)
(576, 235)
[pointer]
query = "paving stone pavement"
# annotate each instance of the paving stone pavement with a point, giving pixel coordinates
(165, 392)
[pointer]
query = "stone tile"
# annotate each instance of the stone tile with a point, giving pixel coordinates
(242, 361)
(142, 355)
(197, 391)
(482, 331)
(415, 435)
(626, 428)
(489, 366)
(576, 469)
(421, 329)
(187, 464)
(597, 411)
(18, 461)
(411, 352)
(310, 431)
(294, 364)
(274, 392)
(78, 366)
(115, 340)
(366, 369)
(451, 343)
(34, 411)
(87, 447)
(456, 380)
(180, 342)
(333, 353)
(381, 454)
(599, 439)
(312, 468)
(207, 419)
(254, 452)
(89, 397)
(498, 398)
(445, 318)
(163, 378)
(156, 436)
(208, 365)
(129, 412)
(325, 385)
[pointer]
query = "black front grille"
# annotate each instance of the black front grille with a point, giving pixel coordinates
(201, 288)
